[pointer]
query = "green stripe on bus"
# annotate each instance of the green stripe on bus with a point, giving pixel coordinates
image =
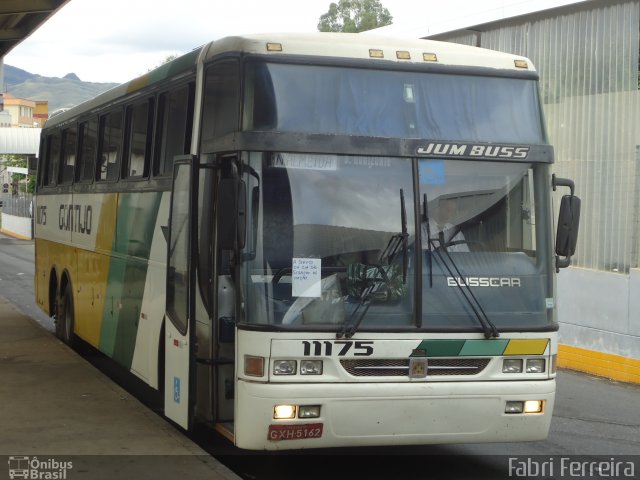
(463, 348)
(484, 347)
(135, 223)
(165, 71)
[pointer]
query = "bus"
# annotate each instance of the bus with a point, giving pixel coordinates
(315, 240)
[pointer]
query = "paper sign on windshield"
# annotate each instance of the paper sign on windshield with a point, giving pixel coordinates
(305, 276)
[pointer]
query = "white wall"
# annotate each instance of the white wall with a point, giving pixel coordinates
(18, 225)
(599, 310)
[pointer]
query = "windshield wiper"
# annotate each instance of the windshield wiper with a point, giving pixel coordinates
(396, 241)
(387, 256)
(425, 218)
(490, 330)
(349, 328)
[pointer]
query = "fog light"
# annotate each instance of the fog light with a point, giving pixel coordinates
(253, 366)
(535, 365)
(309, 411)
(514, 407)
(533, 406)
(512, 365)
(284, 367)
(281, 412)
(311, 367)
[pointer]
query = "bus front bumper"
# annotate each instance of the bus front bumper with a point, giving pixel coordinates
(391, 414)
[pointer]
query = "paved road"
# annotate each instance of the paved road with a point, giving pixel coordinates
(594, 420)
(16, 277)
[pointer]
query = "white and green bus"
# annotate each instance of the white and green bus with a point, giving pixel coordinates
(315, 240)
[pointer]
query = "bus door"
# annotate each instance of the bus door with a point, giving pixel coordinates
(216, 299)
(179, 341)
(224, 363)
(230, 213)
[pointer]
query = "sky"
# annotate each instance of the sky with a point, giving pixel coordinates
(118, 40)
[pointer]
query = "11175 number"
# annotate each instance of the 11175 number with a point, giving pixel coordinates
(341, 348)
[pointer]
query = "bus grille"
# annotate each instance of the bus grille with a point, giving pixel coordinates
(399, 367)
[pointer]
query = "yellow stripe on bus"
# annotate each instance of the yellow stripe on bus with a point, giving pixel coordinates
(526, 346)
(93, 272)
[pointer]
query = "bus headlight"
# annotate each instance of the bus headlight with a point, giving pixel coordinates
(311, 367)
(512, 365)
(284, 412)
(308, 411)
(288, 412)
(514, 407)
(527, 406)
(535, 365)
(533, 406)
(284, 367)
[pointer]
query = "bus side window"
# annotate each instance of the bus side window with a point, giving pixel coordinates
(139, 118)
(52, 158)
(110, 146)
(174, 127)
(88, 137)
(68, 164)
(221, 102)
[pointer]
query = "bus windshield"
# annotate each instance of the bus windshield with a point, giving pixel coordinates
(397, 104)
(326, 242)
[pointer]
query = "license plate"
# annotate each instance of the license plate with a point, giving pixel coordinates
(294, 432)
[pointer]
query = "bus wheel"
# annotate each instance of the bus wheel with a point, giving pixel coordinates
(64, 318)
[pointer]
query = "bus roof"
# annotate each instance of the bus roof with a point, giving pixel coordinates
(367, 46)
(330, 45)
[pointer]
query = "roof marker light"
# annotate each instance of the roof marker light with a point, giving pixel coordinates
(403, 55)
(521, 64)
(429, 57)
(376, 53)
(274, 47)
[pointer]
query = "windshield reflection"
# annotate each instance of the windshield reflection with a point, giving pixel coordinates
(471, 205)
(324, 223)
(323, 228)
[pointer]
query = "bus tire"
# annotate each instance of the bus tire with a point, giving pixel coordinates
(65, 317)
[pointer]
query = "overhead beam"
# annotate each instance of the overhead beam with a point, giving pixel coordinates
(13, 7)
(13, 34)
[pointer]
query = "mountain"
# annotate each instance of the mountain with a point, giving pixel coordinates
(14, 76)
(60, 92)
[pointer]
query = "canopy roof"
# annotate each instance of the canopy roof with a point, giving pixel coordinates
(19, 141)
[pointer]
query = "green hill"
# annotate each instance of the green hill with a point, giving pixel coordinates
(59, 92)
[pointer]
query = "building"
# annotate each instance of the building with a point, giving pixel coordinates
(587, 56)
(26, 113)
(5, 119)
(41, 112)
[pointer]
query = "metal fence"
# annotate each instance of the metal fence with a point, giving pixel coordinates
(17, 205)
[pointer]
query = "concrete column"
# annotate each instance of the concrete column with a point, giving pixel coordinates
(1, 83)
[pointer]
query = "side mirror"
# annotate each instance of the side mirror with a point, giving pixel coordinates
(568, 223)
(231, 223)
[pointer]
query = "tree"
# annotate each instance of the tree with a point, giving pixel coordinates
(167, 59)
(354, 16)
(18, 179)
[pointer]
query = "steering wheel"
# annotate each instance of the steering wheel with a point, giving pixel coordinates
(279, 274)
